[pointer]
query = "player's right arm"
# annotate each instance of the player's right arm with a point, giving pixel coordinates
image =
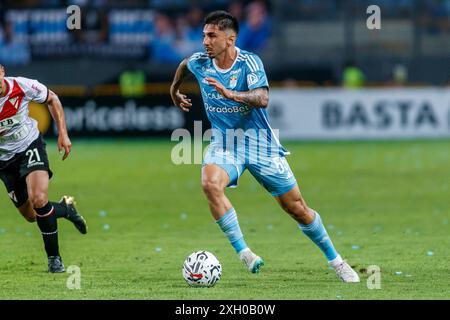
(179, 99)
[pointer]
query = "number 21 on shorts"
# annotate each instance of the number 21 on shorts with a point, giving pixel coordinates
(33, 156)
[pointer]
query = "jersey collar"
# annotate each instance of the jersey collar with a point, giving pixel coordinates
(226, 70)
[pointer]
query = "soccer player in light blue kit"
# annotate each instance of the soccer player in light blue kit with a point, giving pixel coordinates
(235, 93)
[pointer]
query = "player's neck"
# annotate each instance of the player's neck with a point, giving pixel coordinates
(227, 58)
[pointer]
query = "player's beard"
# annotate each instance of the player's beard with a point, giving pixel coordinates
(215, 51)
(214, 55)
(210, 53)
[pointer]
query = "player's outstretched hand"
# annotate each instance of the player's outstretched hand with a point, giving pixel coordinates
(182, 101)
(64, 142)
(228, 94)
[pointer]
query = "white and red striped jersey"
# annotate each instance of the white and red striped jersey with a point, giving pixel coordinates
(17, 129)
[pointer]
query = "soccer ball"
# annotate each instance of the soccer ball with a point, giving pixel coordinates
(201, 269)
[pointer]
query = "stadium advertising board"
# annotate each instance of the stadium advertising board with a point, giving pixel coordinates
(327, 114)
(118, 116)
(360, 114)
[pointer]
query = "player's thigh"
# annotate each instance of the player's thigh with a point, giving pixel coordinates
(37, 187)
(274, 174)
(35, 169)
(34, 158)
(221, 164)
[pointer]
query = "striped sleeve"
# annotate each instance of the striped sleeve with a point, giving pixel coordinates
(192, 60)
(256, 75)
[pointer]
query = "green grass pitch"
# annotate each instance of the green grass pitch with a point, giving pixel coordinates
(383, 203)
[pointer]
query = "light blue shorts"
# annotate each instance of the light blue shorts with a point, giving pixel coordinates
(272, 172)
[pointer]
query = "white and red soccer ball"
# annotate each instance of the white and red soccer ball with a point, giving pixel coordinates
(201, 269)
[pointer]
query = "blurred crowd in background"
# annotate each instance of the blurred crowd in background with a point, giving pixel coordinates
(171, 29)
(181, 34)
(165, 31)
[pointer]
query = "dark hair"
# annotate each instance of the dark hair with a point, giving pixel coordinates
(223, 20)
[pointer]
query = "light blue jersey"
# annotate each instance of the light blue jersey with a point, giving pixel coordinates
(227, 116)
(242, 137)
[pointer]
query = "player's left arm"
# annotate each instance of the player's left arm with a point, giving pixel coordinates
(257, 98)
(56, 110)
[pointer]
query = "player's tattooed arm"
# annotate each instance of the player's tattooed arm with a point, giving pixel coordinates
(179, 99)
(57, 112)
(257, 98)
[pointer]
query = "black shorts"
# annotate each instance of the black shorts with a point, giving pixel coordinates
(14, 171)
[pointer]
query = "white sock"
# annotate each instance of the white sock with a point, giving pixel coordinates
(243, 251)
(336, 261)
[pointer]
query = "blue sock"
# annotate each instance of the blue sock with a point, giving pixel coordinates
(317, 233)
(229, 224)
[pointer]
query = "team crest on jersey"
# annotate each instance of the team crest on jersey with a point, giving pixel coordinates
(233, 81)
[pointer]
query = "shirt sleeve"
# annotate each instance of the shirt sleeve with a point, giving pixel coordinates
(189, 64)
(256, 75)
(196, 62)
(192, 60)
(34, 90)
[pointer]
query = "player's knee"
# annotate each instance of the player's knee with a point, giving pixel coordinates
(212, 187)
(296, 208)
(303, 214)
(38, 199)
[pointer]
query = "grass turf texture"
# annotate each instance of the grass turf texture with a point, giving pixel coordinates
(383, 203)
